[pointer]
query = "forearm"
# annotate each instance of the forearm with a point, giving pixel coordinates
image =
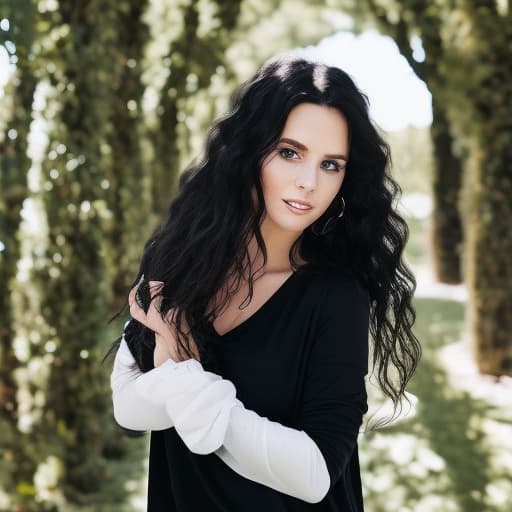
(210, 419)
(269, 453)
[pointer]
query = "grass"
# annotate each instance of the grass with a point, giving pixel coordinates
(450, 455)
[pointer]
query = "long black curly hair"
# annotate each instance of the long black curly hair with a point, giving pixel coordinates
(203, 242)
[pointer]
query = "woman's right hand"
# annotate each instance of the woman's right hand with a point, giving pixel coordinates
(165, 332)
(166, 346)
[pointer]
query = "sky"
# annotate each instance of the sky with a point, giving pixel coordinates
(397, 97)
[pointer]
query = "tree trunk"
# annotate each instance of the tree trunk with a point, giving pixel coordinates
(129, 183)
(446, 230)
(19, 459)
(190, 55)
(489, 243)
(18, 464)
(487, 100)
(74, 284)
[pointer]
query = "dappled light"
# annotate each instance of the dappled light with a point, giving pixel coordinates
(101, 109)
(455, 454)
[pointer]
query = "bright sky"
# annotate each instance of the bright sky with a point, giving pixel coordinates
(397, 97)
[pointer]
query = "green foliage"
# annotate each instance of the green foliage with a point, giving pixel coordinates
(17, 464)
(193, 57)
(72, 436)
(78, 173)
(467, 68)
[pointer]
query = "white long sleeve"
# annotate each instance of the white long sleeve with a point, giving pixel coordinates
(269, 453)
(131, 410)
(210, 419)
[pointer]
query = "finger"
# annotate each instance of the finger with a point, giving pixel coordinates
(136, 312)
(155, 286)
(152, 318)
(131, 295)
(133, 291)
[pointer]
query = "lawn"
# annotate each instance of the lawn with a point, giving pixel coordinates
(455, 453)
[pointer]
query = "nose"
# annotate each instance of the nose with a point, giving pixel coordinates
(307, 176)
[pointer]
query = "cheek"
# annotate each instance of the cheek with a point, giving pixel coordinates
(331, 191)
(270, 181)
(337, 187)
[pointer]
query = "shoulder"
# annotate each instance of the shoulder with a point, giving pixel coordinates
(336, 286)
(342, 305)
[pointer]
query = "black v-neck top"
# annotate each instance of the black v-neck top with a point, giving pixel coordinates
(299, 360)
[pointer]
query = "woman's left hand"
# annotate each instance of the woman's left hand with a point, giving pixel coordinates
(165, 334)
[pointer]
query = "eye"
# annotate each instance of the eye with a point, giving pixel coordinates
(334, 166)
(287, 153)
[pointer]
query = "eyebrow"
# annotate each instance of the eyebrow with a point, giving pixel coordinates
(299, 145)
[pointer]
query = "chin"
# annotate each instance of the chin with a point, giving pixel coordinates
(293, 227)
(288, 224)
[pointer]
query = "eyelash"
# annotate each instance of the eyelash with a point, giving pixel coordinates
(337, 166)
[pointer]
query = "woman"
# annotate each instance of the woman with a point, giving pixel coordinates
(248, 346)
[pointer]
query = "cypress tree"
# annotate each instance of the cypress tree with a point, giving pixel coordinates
(412, 17)
(19, 458)
(74, 282)
(472, 87)
(194, 58)
(485, 120)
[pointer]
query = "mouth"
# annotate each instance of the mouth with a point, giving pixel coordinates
(298, 207)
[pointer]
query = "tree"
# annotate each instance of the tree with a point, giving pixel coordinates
(76, 432)
(18, 462)
(403, 20)
(470, 38)
(127, 181)
(484, 122)
(192, 59)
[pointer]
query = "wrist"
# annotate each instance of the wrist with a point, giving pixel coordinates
(163, 340)
(162, 350)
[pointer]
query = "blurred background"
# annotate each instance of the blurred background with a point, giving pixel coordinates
(103, 102)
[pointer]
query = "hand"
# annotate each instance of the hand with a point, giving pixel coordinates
(165, 333)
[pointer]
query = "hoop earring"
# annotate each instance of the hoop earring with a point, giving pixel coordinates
(329, 224)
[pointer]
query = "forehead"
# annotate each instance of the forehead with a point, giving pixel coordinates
(318, 127)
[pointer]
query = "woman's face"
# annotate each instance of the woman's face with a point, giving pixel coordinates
(301, 177)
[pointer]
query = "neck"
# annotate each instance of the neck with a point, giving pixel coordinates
(278, 244)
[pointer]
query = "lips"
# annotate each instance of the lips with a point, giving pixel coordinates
(300, 205)
(297, 208)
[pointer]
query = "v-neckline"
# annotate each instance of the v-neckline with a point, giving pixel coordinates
(261, 309)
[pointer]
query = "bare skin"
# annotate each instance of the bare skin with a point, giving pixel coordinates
(308, 165)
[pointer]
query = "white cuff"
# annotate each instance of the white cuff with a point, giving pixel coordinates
(131, 410)
(197, 401)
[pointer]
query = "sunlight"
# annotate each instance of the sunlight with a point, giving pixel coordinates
(398, 98)
(416, 205)
(6, 69)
